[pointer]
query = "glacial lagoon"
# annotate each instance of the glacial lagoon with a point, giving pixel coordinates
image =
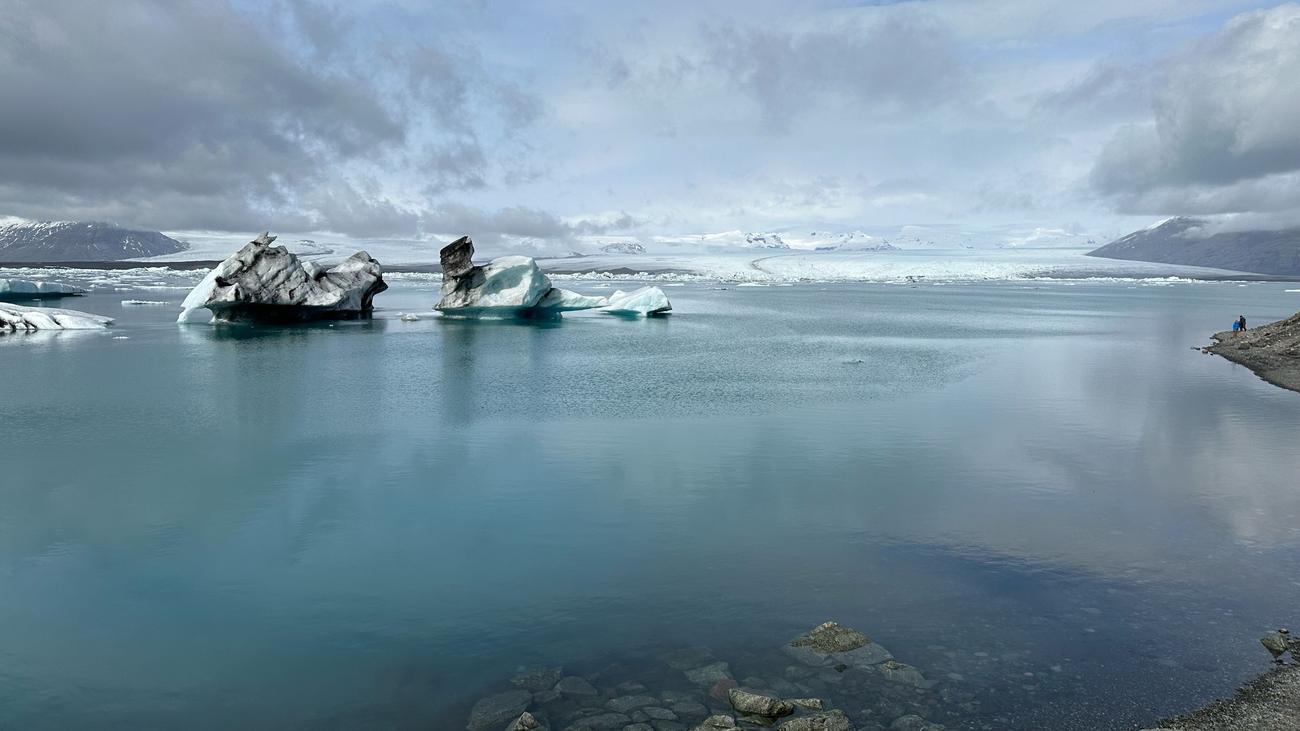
(1036, 493)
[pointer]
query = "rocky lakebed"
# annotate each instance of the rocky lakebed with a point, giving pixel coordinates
(831, 678)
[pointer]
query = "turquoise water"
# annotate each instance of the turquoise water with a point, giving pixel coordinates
(372, 524)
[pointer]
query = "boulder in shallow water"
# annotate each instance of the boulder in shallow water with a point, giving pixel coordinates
(759, 705)
(265, 282)
(828, 721)
(830, 644)
(525, 722)
(494, 711)
(27, 319)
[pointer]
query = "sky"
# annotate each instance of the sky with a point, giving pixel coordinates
(558, 120)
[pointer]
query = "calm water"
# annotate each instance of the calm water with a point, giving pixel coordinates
(1038, 494)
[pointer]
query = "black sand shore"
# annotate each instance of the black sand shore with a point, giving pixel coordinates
(1270, 702)
(1272, 351)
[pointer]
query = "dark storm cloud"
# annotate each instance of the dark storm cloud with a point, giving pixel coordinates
(900, 61)
(1222, 133)
(187, 114)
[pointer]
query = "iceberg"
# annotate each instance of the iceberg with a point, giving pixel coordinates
(264, 282)
(27, 319)
(26, 289)
(643, 302)
(514, 286)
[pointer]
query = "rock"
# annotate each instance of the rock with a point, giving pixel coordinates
(525, 722)
(758, 705)
(495, 711)
(537, 678)
(709, 674)
(639, 727)
(913, 722)
(808, 704)
(1277, 643)
(690, 709)
(643, 302)
(27, 319)
(688, 658)
(264, 282)
(829, 644)
(575, 686)
(720, 689)
(828, 721)
(897, 672)
(626, 703)
(600, 722)
(717, 723)
(659, 714)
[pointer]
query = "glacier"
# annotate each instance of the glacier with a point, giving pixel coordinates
(264, 282)
(27, 319)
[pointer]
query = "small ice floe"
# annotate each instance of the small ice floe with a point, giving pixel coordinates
(854, 361)
(410, 317)
(144, 303)
(752, 284)
(20, 289)
(17, 317)
(120, 337)
(1291, 290)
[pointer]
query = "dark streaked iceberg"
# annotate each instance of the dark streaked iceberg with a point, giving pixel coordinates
(264, 282)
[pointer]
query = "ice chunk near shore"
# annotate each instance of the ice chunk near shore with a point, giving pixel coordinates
(24, 289)
(17, 317)
(264, 282)
(643, 302)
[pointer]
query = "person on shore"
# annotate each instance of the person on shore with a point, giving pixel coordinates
(1236, 327)
(1241, 323)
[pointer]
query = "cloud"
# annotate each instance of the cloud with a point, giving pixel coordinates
(1222, 135)
(183, 114)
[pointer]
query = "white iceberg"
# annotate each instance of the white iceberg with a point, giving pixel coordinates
(514, 286)
(264, 282)
(643, 302)
(17, 317)
(16, 289)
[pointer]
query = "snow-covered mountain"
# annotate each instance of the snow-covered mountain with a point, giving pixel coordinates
(1197, 242)
(848, 241)
(52, 241)
(623, 247)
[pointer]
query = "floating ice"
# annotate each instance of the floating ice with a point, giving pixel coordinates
(23, 289)
(17, 317)
(643, 302)
(261, 281)
(144, 303)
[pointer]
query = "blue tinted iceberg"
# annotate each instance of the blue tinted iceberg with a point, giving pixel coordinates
(643, 302)
(26, 289)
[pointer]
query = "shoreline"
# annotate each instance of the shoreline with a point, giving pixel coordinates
(1270, 702)
(1270, 351)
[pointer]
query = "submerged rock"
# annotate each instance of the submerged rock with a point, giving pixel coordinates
(575, 686)
(495, 711)
(537, 678)
(828, 721)
(759, 705)
(829, 644)
(717, 723)
(264, 282)
(525, 722)
(897, 672)
(27, 319)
